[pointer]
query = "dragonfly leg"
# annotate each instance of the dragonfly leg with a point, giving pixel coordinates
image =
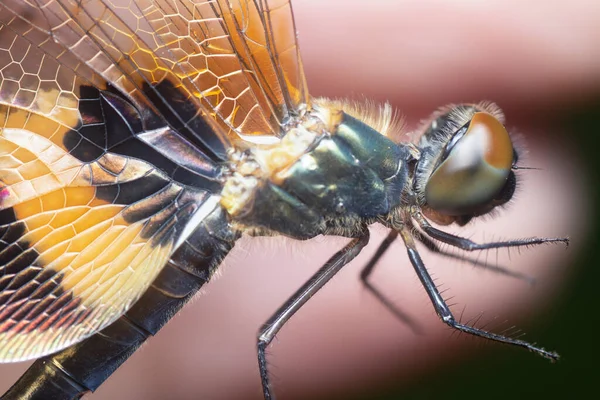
(443, 310)
(469, 245)
(297, 300)
(382, 298)
(432, 246)
(383, 247)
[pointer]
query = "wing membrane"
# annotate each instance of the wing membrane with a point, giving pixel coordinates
(113, 118)
(76, 253)
(237, 61)
(264, 36)
(89, 214)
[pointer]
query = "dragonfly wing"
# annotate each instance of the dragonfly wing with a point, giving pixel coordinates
(90, 208)
(237, 61)
(263, 34)
(114, 117)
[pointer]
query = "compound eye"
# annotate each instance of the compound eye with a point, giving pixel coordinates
(475, 168)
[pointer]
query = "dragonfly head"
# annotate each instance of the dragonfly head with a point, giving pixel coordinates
(466, 164)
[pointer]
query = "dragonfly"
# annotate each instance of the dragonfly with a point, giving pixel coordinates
(140, 140)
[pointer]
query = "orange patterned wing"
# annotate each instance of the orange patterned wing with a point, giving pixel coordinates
(241, 57)
(114, 118)
(235, 60)
(102, 171)
(263, 35)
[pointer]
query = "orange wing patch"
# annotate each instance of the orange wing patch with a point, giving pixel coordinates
(74, 258)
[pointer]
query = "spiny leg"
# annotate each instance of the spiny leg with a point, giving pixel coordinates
(498, 269)
(434, 248)
(469, 245)
(297, 300)
(443, 310)
(364, 277)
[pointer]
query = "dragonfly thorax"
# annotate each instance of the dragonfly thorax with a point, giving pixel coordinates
(328, 175)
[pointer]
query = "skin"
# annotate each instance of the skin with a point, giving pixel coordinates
(418, 55)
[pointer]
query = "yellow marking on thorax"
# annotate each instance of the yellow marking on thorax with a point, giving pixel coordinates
(270, 163)
(266, 163)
